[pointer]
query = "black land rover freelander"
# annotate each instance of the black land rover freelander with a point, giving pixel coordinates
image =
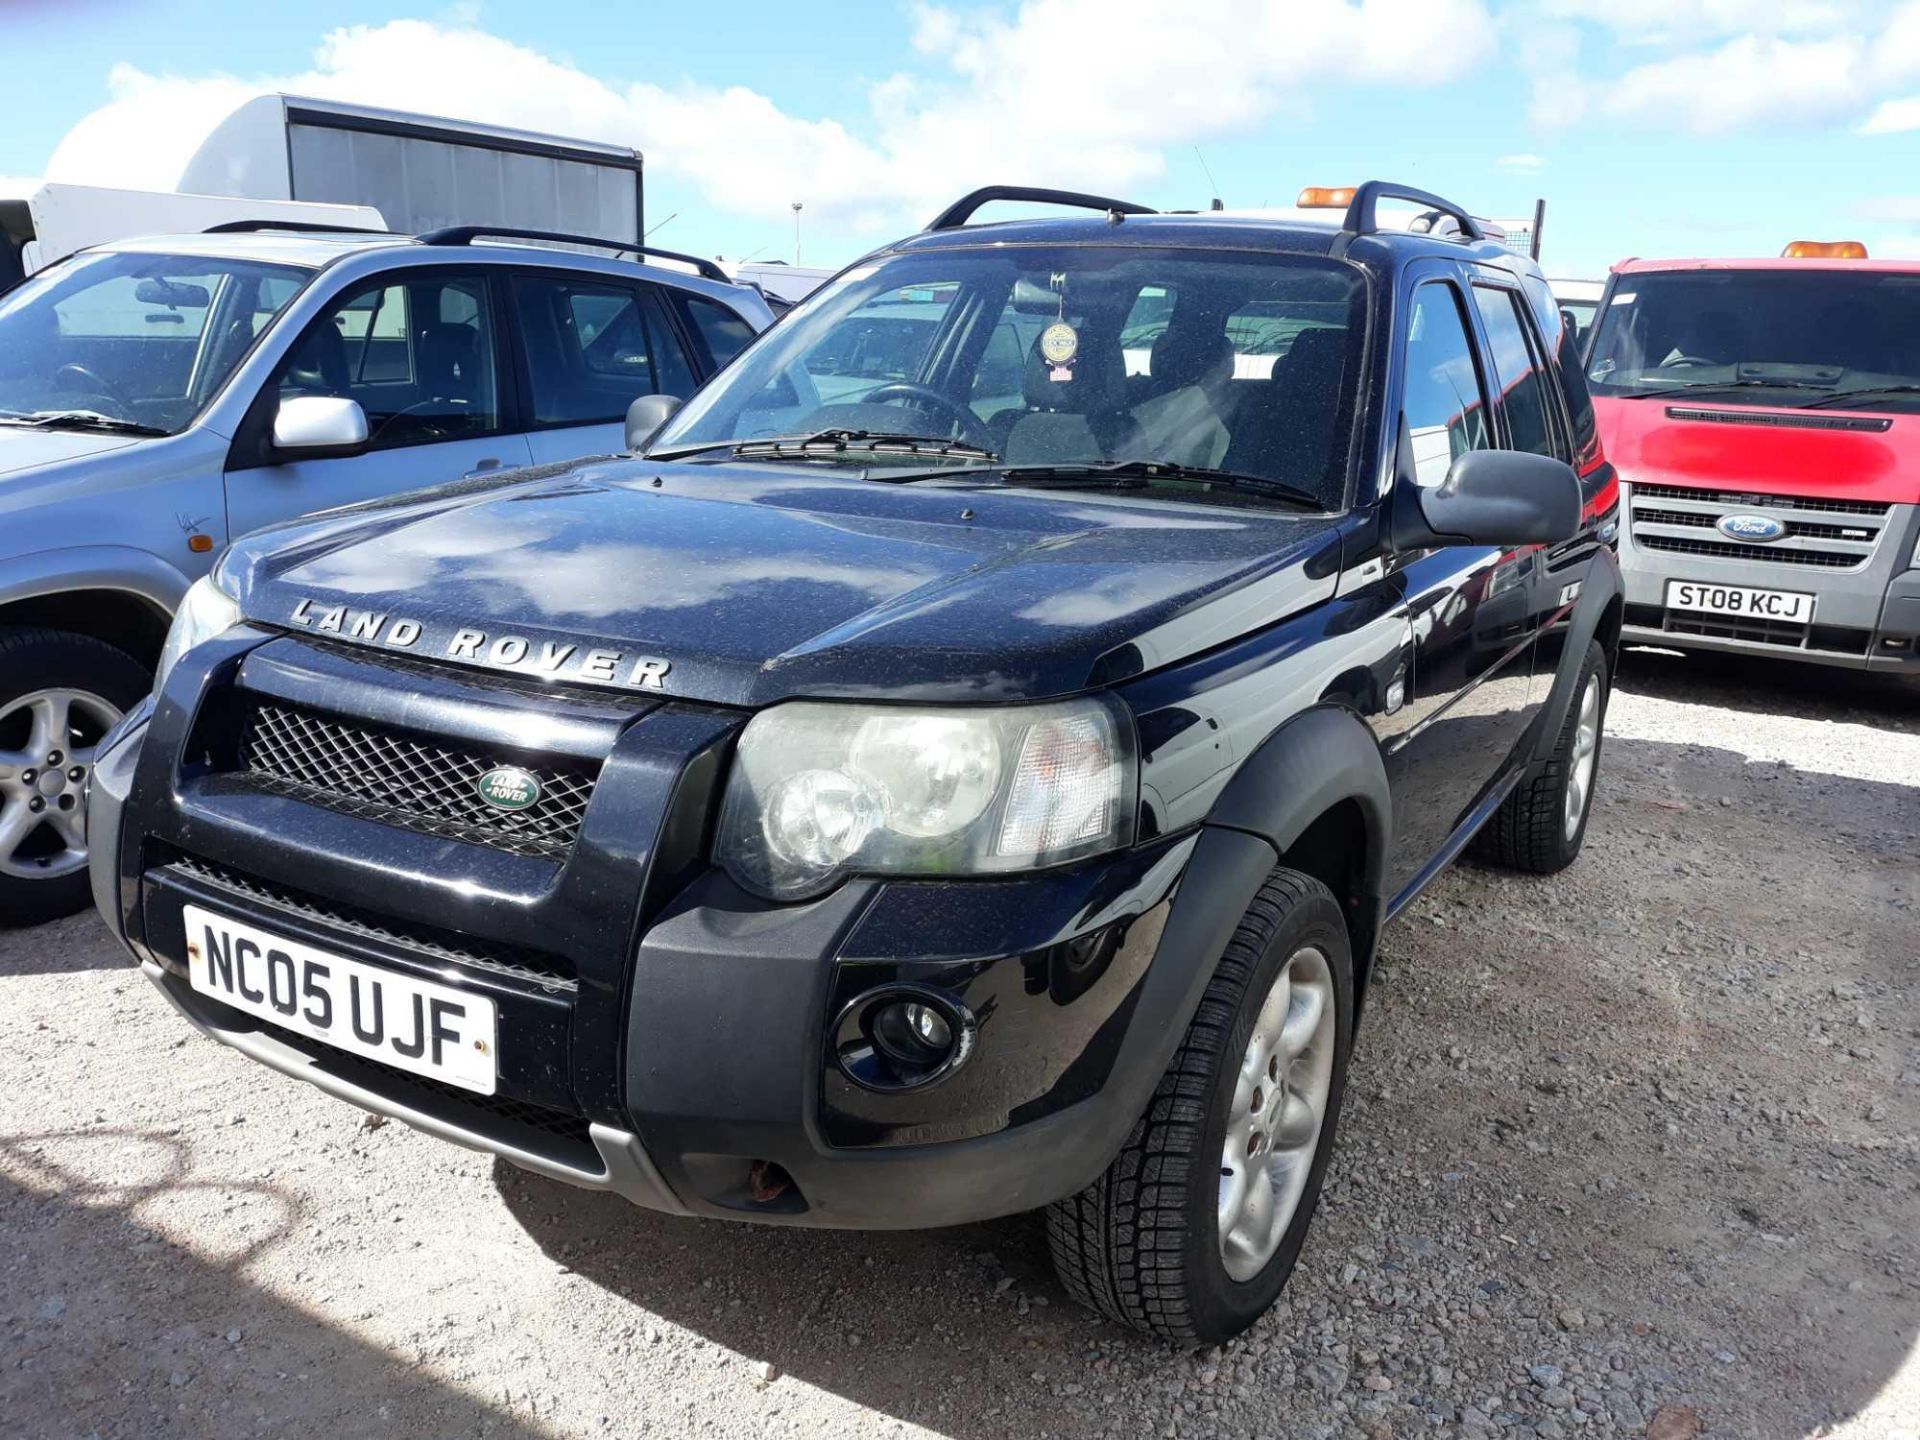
(961, 768)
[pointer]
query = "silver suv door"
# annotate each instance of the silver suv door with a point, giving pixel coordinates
(419, 351)
(592, 345)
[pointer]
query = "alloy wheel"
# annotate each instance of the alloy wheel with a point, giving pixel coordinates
(47, 744)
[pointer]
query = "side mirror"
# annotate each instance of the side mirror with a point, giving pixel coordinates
(317, 426)
(645, 416)
(1502, 497)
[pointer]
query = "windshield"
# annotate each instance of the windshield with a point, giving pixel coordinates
(143, 340)
(1812, 337)
(1063, 356)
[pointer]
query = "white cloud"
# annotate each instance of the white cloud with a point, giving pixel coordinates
(1523, 164)
(1747, 81)
(1894, 209)
(1717, 66)
(988, 99)
(1893, 117)
(1666, 22)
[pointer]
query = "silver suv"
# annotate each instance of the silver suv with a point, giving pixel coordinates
(159, 397)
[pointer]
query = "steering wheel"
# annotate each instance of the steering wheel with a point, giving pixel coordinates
(925, 397)
(97, 385)
(1681, 362)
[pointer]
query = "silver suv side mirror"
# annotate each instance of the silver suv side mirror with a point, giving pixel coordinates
(645, 416)
(311, 423)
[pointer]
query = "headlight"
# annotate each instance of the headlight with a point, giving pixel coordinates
(206, 611)
(823, 790)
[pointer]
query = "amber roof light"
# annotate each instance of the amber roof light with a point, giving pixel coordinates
(1323, 197)
(1825, 250)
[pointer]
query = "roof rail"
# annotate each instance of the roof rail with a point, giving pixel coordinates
(961, 211)
(467, 234)
(1361, 219)
(252, 227)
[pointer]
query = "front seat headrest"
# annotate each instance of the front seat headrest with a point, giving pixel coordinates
(1189, 357)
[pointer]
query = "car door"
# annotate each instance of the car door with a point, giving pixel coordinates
(419, 350)
(1467, 696)
(590, 345)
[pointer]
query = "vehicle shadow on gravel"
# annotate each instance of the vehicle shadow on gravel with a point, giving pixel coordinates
(1672, 1168)
(1762, 686)
(113, 1328)
(64, 947)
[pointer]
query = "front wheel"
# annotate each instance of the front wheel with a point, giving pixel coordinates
(1541, 826)
(1192, 1231)
(59, 695)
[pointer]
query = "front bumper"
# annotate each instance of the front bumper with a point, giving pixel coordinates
(678, 1059)
(1866, 617)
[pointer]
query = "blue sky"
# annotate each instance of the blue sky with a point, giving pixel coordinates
(1650, 126)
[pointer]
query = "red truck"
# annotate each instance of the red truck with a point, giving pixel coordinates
(1764, 417)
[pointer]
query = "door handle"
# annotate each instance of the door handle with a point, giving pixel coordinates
(484, 467)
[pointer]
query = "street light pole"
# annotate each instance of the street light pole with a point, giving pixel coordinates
(796, 232)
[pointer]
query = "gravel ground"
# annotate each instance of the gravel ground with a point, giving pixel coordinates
(1629, 1151)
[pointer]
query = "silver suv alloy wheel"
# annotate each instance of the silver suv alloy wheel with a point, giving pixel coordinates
(1279, 1107)
(43, 820)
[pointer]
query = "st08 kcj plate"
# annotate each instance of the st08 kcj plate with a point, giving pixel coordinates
(378, 1014)
(1743, 600)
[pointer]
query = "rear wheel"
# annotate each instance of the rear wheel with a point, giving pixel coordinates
(1193, 1229)
(1541, 826)
(59, 695)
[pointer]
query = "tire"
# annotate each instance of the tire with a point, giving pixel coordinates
(1143, 1243)
(43, 873)
(1533, 831)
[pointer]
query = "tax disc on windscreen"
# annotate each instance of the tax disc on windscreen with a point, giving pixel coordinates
(1059, 343)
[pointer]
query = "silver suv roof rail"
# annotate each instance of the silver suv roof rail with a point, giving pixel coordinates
(312, 227)
(467, 234)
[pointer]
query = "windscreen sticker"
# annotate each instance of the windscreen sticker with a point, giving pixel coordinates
(1626, 297)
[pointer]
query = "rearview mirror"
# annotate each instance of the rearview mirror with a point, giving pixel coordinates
(645, 416)
(318, 426)
(1502, 497)
(155, 291)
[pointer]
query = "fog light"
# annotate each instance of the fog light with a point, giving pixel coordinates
(903, 1037)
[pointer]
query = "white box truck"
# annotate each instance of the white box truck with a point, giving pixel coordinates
(297, 159)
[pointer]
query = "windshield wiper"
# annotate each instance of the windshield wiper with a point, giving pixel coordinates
(1141, 473)
(837, 442)
(80, 420)
(1867, 392)
(1666, 392)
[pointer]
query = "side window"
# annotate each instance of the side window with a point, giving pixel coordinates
(673, 367)
(1518, 370)
(884, 342)
(1445, 405)
(417, 354)
(724, 333)
(594, 347)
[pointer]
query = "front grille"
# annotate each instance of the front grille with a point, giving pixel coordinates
(1740, 500)
(1749, 552)
(549, 972)
(1815, 532)
(407, 781)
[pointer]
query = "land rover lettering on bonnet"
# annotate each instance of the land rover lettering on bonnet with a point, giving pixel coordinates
(1085, 633)
(549, 659)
